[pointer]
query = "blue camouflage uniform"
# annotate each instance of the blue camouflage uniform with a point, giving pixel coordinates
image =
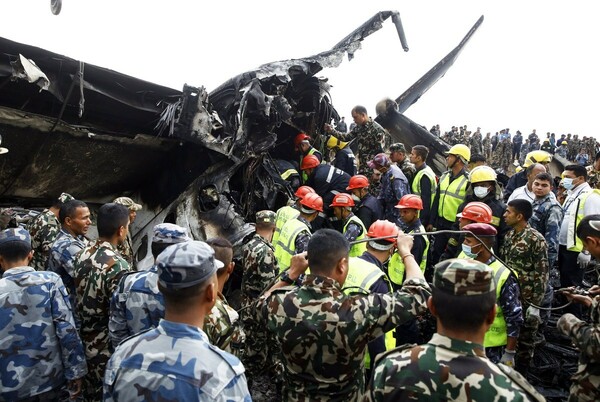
(394, 185)
(546, 219)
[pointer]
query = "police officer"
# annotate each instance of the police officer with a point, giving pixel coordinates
(353, 229)
(394, 185)
(367, 207)
(175, 361)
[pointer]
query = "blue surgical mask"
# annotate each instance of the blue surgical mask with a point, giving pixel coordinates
(468, 250)
(567, 183)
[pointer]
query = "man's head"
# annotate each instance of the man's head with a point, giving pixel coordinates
(483, 181)
(517, 212)
(165, 235)
(359, 115)
(327, 254)
(573, 176)
(409, 206)
(359, 186)
(381, 162)
(113, 222)
(74, 217)
(476, 160)
(458, 156)
(588, 231)
(131, 205)
(473, 247)
(342, 205)
(418, 154)
(542, 184)
(15, 248)
(301, 142)
(224, 253)
(397, 152)
(532, 171)
(265, 221)
(459, 286)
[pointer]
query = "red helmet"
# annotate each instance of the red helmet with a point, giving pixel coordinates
(312, 201)
(476, 211)
(309, 162)
(358, 181)
(383, 228)
(342, 200)
(303, 190)
(410, 201)
(299, 138)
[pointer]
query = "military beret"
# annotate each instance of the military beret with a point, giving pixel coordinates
(65, 197)
(186, 264)
(128, 202)
(266, 216)
(15, 234)
(480, 229)
(169, 233)
(460, 277)
(397, 147)
(380, 160)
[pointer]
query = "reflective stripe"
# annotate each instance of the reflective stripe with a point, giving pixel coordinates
(288, 173)
(456, 191)
(330, 174)
(496, 334)
(284, 214)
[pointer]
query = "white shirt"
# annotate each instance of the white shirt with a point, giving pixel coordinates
(592, 207)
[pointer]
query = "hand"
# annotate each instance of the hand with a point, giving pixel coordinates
(298, 265)
(533, 312)
(508, 358)
(74, 387)
(404, 243)
(581, 299)
(583, 260)
(594, 290)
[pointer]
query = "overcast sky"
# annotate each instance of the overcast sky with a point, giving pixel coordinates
(532, 64)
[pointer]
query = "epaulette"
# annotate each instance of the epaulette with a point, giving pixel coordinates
(521, 381)
(397, 349)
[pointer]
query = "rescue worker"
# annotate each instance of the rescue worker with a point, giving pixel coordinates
(367, 208)
(474, 212)
(398, 156)
(449, 195)
(288, 172)
(288, 212)
(296, 232)
(394, 185)
(520, 179)
(563, 149)
(354, 229)
(425, 181)
(344, 157)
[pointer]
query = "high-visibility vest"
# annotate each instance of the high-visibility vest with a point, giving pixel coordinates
(361, 276)
(416, 184)
(574, 243)
(286, 244)
(452, 194)
(396, 266)
(284, 214)
(358, 248)
(496, 334)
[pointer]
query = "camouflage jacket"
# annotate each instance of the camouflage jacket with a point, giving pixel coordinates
(223, 327)
(43, 230)
(526, 253)
(324, 333)
(408, 169)
(593, 177)
(126, 250)
(135, 306)
(370, 138)
(546, 219)
(586, 381)
(173, 362)
(39, 344)
(446, 369)
(260, 268)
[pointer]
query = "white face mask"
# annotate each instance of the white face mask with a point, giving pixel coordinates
(480, 191)
(355, 198)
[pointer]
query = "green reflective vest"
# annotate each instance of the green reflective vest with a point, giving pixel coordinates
(286, 244)
(496, 335)
(284, 214)
(574, 243)
(452, 194)
(416, 184)
(359, 248)
(396, 266)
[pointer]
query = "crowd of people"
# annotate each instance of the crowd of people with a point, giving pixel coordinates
(335, 285)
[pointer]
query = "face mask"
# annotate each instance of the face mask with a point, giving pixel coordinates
(468, 250)
(481, 192)
(568, 183)
(355, 198)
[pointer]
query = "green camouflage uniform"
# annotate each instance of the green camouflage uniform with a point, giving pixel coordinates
(44, 229)
(370, 138)
(125, 249)
(98, 269)
(586, 381)
(324, 333)
(408, 169)
(526, 253)
(593, 177)
(223, 327)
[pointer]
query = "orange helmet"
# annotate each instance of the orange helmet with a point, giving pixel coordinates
(303, 190)
(410, 201)
(476, 211)
(358, 181)
(383, 228)
(342, 200)
(299, 138)
(309, 162)
(312, 201)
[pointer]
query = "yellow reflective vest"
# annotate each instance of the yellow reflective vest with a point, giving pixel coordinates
(284, 214)
(359, 248)
(286, 244)
(416, 184)
(574, 243)
(452, 194)
(496, 335)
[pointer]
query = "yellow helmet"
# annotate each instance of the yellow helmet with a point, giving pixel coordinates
(334, 142)
(482, 173)
(518, 169)
(537, 156)
(462, 151)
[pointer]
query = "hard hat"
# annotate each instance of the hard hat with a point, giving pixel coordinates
(358, 181)
(382, 228)
(309, 162)
(334, 142)
(564, 143)
(460, 150)
(312, 201)
(303, 190)
(476, 211)
(546, 140)
(342, 200)
(410, 201)
(482, 173)
(299, 138)
(537, 156)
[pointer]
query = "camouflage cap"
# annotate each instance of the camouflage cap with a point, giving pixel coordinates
(169, 233)
(397, 147)
(460, 277)
(65, 197)
(186, 264)
(128, 202)
(266, 216)
(15, 234)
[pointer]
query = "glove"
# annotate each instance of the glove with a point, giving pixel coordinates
(508, 358)
(533, 312)
(583, 259)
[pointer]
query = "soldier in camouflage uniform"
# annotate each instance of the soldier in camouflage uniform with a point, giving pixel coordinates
(487, 146)
(137, 305)
(175, 361)
(477, 142)
(43, 230)
(398, 156)
(126, 248)
(526, 252)
(98, 269)
(586, 381)
(452, 368)
(39, 346)
(593, 172)
(223, 325)
(323, 332)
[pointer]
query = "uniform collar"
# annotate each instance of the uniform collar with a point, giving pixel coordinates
(16, 271)
(180, 330)
(319, 281)
(465, 347)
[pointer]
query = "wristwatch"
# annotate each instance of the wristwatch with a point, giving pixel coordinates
(285, 276)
